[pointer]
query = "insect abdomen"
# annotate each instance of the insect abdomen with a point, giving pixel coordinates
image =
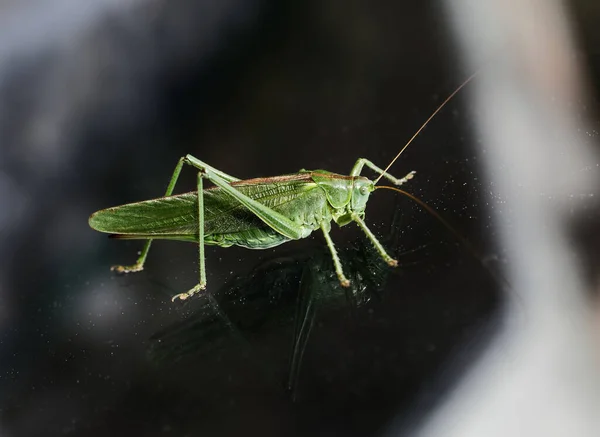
(251, 239)
(227, 223)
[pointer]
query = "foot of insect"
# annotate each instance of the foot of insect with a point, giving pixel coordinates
(405, 179)
(128, 269)
(139, 264)
(183, 296)
(389, 260)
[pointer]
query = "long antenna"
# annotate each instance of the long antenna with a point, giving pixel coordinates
(425, 124)
(454, 232)
(435, 214)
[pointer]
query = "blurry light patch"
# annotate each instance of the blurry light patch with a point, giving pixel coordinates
(103, 311)
(45, 49)
(46, 137)
(26, 27)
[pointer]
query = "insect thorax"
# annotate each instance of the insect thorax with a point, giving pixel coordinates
(346, 195)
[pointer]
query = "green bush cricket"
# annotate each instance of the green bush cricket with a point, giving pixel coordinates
(255, 213)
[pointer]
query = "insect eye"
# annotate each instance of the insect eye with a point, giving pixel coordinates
(363, 190)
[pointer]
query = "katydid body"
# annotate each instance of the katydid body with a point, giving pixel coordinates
(255, 213)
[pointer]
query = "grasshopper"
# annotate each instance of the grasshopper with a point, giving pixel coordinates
(255, 213)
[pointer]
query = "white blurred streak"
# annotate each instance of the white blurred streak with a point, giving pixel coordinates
(540, 377)
(59, 33)
(28, 26)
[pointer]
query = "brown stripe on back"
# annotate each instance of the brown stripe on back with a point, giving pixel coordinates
(297, 177)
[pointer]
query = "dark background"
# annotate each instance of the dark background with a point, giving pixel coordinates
(96, 112)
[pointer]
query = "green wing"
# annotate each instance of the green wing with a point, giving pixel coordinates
(227, 222)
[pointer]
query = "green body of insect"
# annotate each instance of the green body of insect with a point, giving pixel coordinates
(255, 213)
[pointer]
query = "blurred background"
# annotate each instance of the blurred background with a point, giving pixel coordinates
(98, 101)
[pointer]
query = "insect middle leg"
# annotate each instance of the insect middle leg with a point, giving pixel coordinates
(325, 227)
(361, 162)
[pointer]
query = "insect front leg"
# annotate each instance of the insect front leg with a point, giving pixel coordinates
(361, 162)
(139, 264)
(325, 227)
(388, 259)
(202, 279)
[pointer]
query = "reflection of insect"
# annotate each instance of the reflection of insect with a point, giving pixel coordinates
(255, 213)
(278, 291)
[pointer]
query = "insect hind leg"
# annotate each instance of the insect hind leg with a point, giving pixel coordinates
(273, 219)
(139, 264)
(190, 160)
(361, 162)
(203, 167)
(202, 280)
